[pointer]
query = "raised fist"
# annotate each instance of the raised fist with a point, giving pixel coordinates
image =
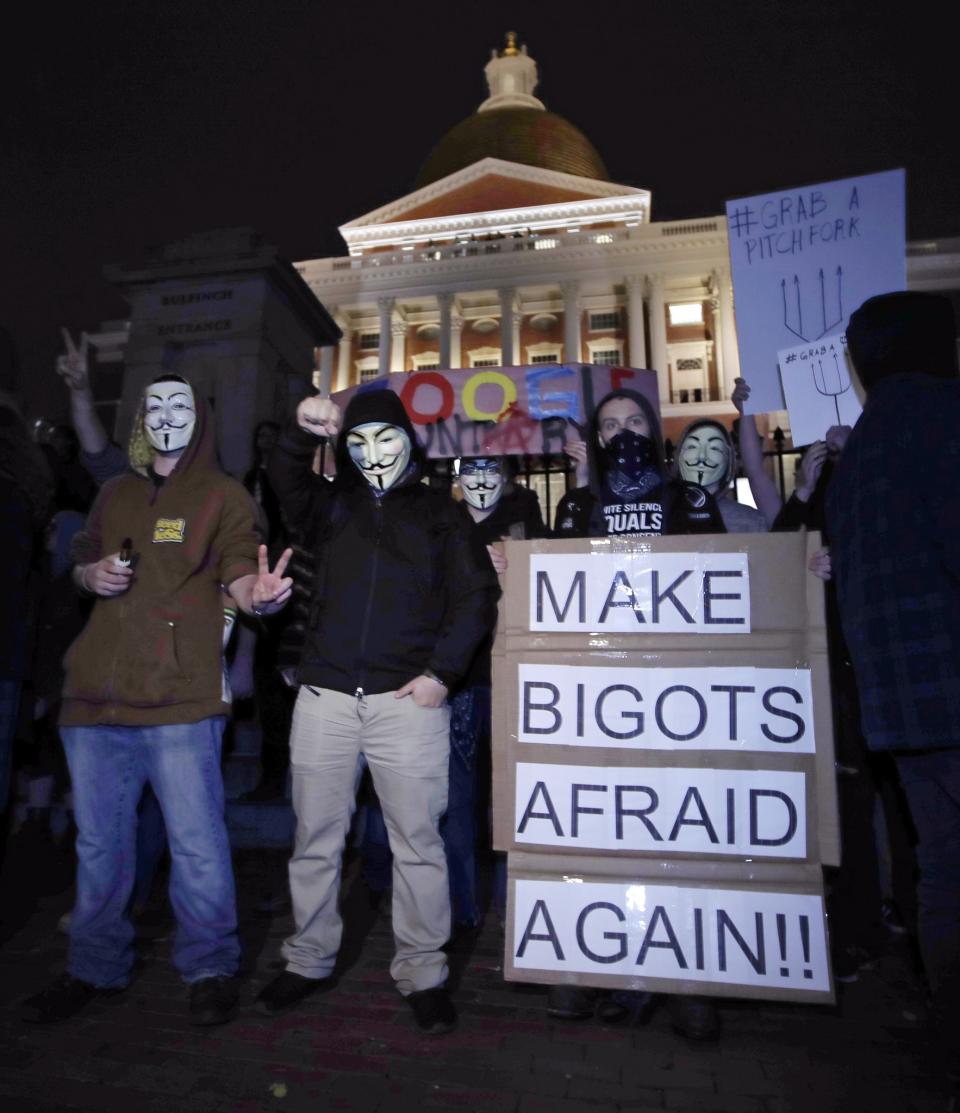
(319, 416)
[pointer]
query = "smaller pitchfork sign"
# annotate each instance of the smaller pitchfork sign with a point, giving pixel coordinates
(817, 388)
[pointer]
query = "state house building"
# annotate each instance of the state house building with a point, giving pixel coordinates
(514, 247)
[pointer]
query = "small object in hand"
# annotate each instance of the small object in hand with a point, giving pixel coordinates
(125, 557)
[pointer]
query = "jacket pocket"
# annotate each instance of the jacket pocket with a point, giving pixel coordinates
(133, 662)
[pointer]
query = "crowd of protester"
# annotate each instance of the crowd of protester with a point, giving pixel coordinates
(126, 568)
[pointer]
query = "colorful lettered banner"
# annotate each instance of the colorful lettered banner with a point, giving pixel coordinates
(505, 411)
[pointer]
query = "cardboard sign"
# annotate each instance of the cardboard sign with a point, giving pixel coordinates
(803, 260)
(739, 709)
(702, 766)
(663, 811)
(818, 388)
(506, 411)
(704, 593)
(722, 939)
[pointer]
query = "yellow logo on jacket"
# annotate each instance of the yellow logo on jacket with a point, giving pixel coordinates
(169, 529)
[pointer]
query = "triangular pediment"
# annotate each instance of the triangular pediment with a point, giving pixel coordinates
(493, 192)
(490, 184)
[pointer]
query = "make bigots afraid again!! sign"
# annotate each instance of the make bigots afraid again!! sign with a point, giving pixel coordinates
(663, 765)
(803, 260)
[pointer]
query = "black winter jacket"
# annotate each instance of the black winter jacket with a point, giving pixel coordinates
(402, 582)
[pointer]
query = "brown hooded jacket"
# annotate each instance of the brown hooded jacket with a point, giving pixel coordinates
(152, 656)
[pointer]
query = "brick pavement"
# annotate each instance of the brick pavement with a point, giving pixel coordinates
(355, 1048)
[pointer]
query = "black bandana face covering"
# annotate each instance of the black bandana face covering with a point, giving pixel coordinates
(631, 465)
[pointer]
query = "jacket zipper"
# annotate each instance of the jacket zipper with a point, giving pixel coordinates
(368, 609)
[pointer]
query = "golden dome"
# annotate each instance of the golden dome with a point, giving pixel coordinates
(526, 135)
(513, 125)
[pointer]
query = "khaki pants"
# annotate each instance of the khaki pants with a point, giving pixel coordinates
(407, 750)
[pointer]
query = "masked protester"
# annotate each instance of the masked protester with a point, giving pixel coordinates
(404, 595)
(626, 492)
(704, 468)
(144, 701)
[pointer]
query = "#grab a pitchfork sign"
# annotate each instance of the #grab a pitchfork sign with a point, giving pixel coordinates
(802, 261)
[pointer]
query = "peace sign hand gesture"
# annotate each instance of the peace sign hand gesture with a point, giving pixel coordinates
(72, 365)
(272, 590)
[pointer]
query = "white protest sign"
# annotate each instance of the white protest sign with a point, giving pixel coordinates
(818, 389)
(671, 810)
(803, 259)
(718, 936)
(764, 710)
(640, 592)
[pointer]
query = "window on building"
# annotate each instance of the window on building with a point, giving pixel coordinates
(689, 364)
(369, 340)
(607, 357)
(686, 313)
(552, 357)
(605, 320)
(368, 373)
(486, 363)
(426, 361)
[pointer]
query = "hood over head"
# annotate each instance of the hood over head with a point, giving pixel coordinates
(903, 333)
(379, 404)
(199, 453)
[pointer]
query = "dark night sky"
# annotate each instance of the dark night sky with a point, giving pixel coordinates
(133, 123)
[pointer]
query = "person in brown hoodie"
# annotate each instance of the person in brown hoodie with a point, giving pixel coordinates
(144, 701)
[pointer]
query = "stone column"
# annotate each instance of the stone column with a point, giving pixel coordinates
(385, 306)
(343, 361)
(717, 348)
(727, 350)
(456, 328)
(506, 326)
(445, 301)
(517, 321)
(636, 332)
(572, 350)
(398, 330)
(658, 337)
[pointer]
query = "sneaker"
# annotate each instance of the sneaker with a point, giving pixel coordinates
(849, 961)
(694, 1018)
(213, 1001)
(61, 1000)
(892, 920)
(286, 990)
(433, 1010)
(571, 1002)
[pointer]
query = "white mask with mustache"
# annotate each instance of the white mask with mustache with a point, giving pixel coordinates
(169, 415)
(380, 451)
(481, 481)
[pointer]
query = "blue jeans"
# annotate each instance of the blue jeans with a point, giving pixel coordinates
(931, 783)
(109, 766)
